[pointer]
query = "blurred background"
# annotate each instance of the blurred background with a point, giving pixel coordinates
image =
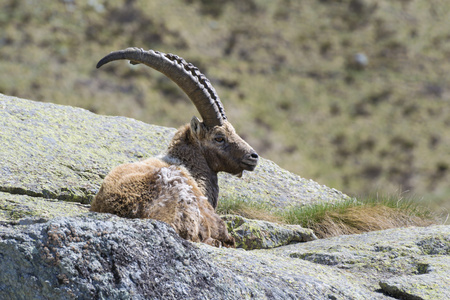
(354, 94)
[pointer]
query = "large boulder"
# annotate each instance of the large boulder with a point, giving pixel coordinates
(62, 152)
(100, 256)
(103, 257)
(52, 161)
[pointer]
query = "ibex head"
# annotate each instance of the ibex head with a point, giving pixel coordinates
(222, 148)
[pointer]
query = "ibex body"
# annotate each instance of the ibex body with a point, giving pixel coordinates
(180, 188)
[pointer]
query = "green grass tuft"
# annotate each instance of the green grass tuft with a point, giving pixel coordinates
(247, 209)
(373, 212)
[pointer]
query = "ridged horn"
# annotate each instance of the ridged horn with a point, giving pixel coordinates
(196, 86)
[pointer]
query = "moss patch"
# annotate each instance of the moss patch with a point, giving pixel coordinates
(20, 208)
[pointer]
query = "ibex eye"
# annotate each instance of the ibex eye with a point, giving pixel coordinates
(219, 139)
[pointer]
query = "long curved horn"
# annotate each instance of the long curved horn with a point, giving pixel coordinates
(185, 75)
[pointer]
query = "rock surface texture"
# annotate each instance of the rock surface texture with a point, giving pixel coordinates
(52, 161)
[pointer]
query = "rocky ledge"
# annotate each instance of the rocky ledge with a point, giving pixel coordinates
(52, 161)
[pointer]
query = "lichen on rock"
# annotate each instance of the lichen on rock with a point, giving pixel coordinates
(62, 152)
(256, 234)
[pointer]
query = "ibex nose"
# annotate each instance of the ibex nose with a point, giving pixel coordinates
(250, 161)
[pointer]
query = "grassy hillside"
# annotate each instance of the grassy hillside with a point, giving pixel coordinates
(287, 72)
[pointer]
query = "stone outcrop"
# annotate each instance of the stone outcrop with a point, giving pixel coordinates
(256, 234)
(100, 256)
(52, 161)
(62, 152)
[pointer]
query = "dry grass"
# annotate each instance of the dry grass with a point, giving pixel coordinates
(359, 219)
(369, 213)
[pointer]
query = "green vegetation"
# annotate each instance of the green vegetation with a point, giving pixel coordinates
(362, 215)
(332, 219)
(247, 208)
(285, 70)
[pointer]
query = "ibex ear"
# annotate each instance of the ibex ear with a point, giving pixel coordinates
(196, 126)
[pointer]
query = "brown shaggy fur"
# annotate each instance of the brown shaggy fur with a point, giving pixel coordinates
(156, 190)
(180, 188)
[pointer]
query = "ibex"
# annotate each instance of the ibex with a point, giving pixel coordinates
(181, 187)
